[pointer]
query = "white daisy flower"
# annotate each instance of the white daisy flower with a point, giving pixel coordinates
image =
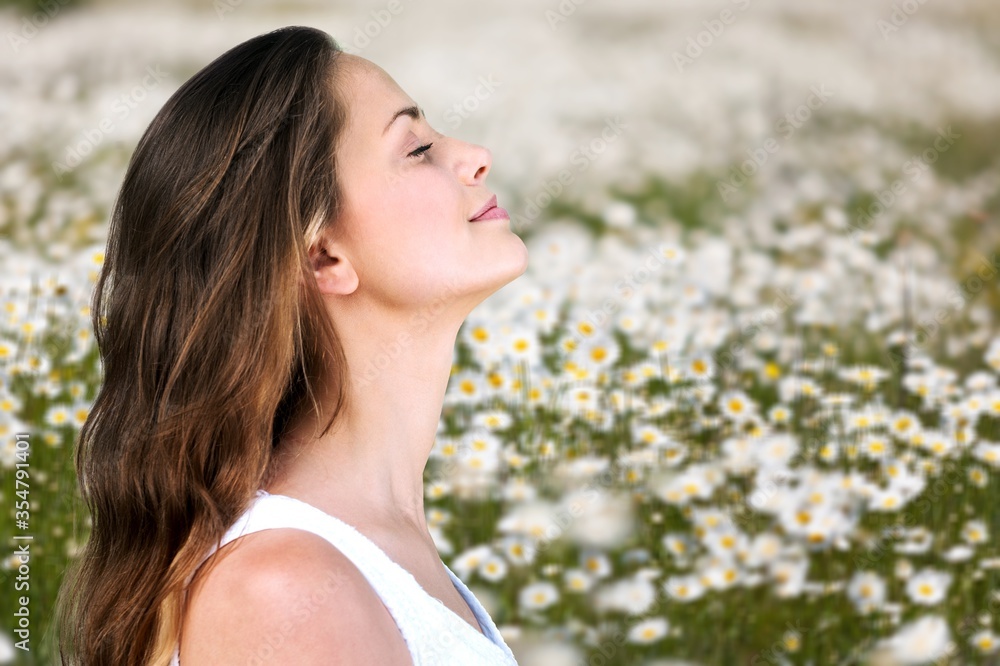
(436, 516)
(10, 453)
(79, 411)
(861, 420)
(667, 342)
(793, 387)
(684, 588)
(547, 450)
(903, 569)
(829, 452)
(992, 403)
(764, 549)
(975, 532)
(7, 648)
(577, 580)
(992, 356)
(582, 328)
(672, 253)
(647, 434)
(776, 451)
(466, 387)
(480, 463)
(938, 443)
(633, 595)
(985, 641)
(866, 590)
(673, 453)
(648, 631)
(779, 414)
(538, 596)
(922, 641)
(648, 370)
(709, 518)
(838, 400)
(603, 520)
(599, 352)
(581, 399)
(58, 416)
(519, 489)
(725, 542)
(700, 367)
(978, 476)
(519, 551)
(437, 490)
(619, 214)
(914, 541)
(677, 544)
(723, 574)
(876, 447)
(958, 553)
(737, 405)
(493, 568)
(988, 452)
(980, 380)
(865, 376)
(469, 560)
(789, 576)
(482, 442)
(903, 423)
(535, 519)
(9, 403)
(441, 542)
(76, 390)
(928, 586)
(522, 344)
(491, 420)
(583, 468)
(477, 334)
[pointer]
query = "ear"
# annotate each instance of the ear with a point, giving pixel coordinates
(332, 269)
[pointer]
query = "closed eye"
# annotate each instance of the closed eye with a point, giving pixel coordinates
(421, 150)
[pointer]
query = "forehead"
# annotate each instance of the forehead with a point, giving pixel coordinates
(371, 95)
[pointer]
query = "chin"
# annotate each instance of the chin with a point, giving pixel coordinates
(513, 254)
(524, 260)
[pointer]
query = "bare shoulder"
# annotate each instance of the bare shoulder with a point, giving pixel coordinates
(286, 596)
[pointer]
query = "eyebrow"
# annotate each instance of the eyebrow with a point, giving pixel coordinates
(411, 111)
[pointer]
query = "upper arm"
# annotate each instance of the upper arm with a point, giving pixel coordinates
(286, 596)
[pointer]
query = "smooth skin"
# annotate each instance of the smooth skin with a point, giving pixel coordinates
(401, 270)
(286, 596)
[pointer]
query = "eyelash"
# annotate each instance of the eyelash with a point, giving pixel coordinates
(421, 150)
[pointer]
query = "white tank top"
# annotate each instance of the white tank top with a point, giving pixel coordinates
(434, 634)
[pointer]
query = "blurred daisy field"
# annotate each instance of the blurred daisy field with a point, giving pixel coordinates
(743, 407)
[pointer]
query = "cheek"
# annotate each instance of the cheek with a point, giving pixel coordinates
(423, 228)
(427, 189)
(409, 232)
(426, 204)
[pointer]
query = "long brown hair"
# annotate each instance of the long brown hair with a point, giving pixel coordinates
(211, 331)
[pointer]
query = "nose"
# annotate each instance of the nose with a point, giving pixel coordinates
(475, 164)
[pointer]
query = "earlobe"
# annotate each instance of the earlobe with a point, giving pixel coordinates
(334, 274)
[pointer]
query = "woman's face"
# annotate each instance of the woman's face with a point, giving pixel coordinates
(405, 227)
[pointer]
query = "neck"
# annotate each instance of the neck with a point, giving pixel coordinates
(370, 466)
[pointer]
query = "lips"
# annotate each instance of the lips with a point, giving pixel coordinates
(490, 211)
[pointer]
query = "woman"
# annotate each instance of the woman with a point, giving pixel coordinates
(290, 258)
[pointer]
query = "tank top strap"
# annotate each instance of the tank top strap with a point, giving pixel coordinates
(433, 633)
(280, 511)
(268, 511)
